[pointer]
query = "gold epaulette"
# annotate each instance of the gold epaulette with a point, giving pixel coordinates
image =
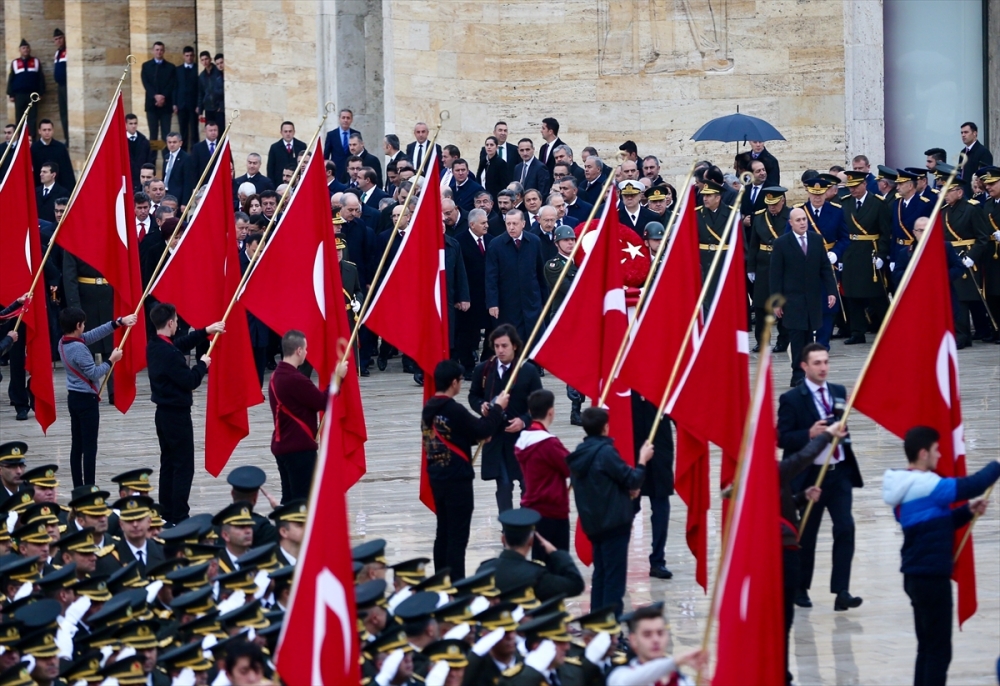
(973, 202)
(925, 199)
(699, 208)
(799, 206)
(367, 680)
(837, 204)
(62, 528)
(105, 550)
(539, 562)
(760, 211)
(417, 677)
(158, 540)
(575, 661)
(513, 671)
(619, 659)
(114, 554)
(578, 643)
(880, 197)
(64, 508)
(163, 614)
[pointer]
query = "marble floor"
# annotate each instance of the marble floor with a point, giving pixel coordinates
(873, 644)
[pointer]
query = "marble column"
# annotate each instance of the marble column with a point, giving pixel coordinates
(993, 76)
(864, 79)
(34, 20)
(170, 21)
(209, 21)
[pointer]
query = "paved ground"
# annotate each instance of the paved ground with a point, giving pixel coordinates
(872, 645)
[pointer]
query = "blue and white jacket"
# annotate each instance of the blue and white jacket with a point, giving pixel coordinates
(922, 503)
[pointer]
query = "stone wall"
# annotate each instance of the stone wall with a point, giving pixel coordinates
(993, 76)
(170, 21)
(33, 20)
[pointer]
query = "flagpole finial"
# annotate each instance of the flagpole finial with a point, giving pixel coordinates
(34, 97)
(235, 114)
(443, 116)
(962, 159)
(328, 107)
(130, 60)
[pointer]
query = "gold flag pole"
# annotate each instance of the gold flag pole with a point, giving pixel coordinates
(177, 229)
(654, 264)
(907, 275)
(32, 99)
(327, 109)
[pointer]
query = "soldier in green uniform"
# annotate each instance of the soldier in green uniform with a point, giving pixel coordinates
(353, 293)
(966, 228)
(990, 265)
(513, 568)
(713, 215)
(247, 482)
(42, 480)
(132, 482)
(495, 651)
(565, 239)
(547, 662)
(868, 227)
(766, 225)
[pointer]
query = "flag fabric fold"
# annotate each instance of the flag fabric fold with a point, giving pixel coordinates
(295, 284)
(749, 604)
(20, 261)
(410, 304)
(200, 278)
(318, 642)
(98, 227)
(928, 394)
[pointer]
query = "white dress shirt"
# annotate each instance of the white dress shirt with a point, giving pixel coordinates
(824, 413)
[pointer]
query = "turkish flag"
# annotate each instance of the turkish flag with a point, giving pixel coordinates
(410, 306)
(295, 284)
(20, 261)
(318, 642)
(99, 228)
(928, 393)
(200, 279)
(715, 377)
(595, 304)
(749, 607)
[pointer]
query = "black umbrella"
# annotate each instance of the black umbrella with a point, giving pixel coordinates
(737, 127)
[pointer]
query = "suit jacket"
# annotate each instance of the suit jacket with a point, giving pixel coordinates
(278, 158)
(465, 197)
(978, 157)
(139, 153)
(361, 249)
(333, 149)
(497, 176)
(580, 210)
(537, 177)
(375, 196)
(748, 208)
(159, 79)
(475, 272)
(643, 217)
(182, 178)
(549, 163)
(411, 152)
(797, 413)
(515, 281)
(486, 384)
(259, 181)
(770, 165)
(186, 88)
(200, 155)
(804, 280)
(121, 556)
(47, 205)
(591, 192)
(549, 249)
(456, 282)
(369, 160)
(512, 158)
(336, 186)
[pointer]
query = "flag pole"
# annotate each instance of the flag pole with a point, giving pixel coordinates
(730, 227)
(129, 61)
(443, 116)
(523, 355)
(968, 529)
(327, 109)
(878, 337)
(776, 300)
(177, 230)
(654, 264)
(32, 99)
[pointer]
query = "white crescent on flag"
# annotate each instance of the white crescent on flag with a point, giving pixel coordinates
(319, 282)
(120, 215)
(27, 249)
(330, 595)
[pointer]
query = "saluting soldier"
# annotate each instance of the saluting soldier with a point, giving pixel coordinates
(990, 177)
(513, 568)
(660, 203)
(86, 288)
(550, 664)
(713, 215)
(767, 224)
(866, 222)
(906, 209)
(496, 649)
(564, 238)
(965, 227)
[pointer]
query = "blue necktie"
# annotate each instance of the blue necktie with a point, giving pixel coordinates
(343, 135)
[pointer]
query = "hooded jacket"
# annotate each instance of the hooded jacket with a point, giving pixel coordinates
(542, 457)
(922, 502)
(601, 484)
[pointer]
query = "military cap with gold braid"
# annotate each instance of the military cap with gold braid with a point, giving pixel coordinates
(189, 655)
(139, 635)
(4, 534)
(115, 612)
(499, 616)
(206, 625)
(656, 193)
(600, 620)
(774, 194)
(439, 582)
(886, 174)
(338, 220)
(908, 174)
(262, 557)
(19, 569)
(249, 616)
(450, 650)
(44, 513)
(393, 638)
(128, 672)
(234, 514)
(818, 185)
(93, 504)
(523, 595)
(32, 533)
(556, 603)
(136, 480)
(199, 553)
(630, 187)
(189, 578)
(10, 632)
(129, 576)
(989, 175)
(64, 577)
(94, 587)
(240, 580)
(855, 178)
(551, 626)
(86, 668)
(480, 583)
(39, 644)
(370, 594)
(196, 602)
(16, 675)
(369, 552)
(17, 502)
(133, 507)
(292, 511)
(159, 571)
(43, 476)
(455, 612)
(410, 572)
(12, 453)
(340, 243)
(711, 187)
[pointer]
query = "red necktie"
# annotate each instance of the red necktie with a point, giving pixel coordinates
(517, 243)
(289, 146)
(142, 231)
(482, 248)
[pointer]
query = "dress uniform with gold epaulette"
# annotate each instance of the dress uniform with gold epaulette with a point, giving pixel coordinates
(966, 229)
(990, 264)
(711, 227)
(867, 224)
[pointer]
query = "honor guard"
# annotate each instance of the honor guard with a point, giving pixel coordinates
(826, 217)
(558, 575)
(712, 218)
(392, 667)
(990, 176)
(966, 228)
(132, 482)
(565, 239)
(886, 180)
(246, 482)
(43, 481)
(11, 466)
(659, 202)
(652, 237)
(866, 222)
(454, 653)
(290, 520)
(134, 546)
(908, 206)
(767, 224)
(24, 78)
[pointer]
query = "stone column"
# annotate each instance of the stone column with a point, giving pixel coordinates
(993, 76)
(864, 79)
(170, 21)
(209, 20)
(98, 33)
(34, 20)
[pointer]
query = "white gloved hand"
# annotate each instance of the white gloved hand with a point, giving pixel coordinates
(76, 611)
(752, 276)
(840, 266)
(478, 604)
(106, 652)
(25, 590)
(967, 261)
(598, 648)
(125, 653)
(996, 236)
(29, 662)
(518, 614)
(390, 667)
(458, 632)
(540, 659)
(222, 679)
(208, 642)
(832, 256)
(64, 642)
(399, 597)
(892, 266)
(438, 674)
(486, 643)
(877, 261)
(153, 590)
(11, 520)
(236, 600)
(355, 305)
(262, 581)
(185, 678)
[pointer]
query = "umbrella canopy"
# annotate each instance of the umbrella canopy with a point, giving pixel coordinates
(737, 128)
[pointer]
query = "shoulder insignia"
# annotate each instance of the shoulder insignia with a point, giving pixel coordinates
(619, 659)
(159, 540)
(114, 554)
(925, 198)
(801, 204)
(973, 202)
(418, 678)
(513, 671)
(580, 644)
(575, 661)
(163, 614)
(539, 563)
(760, 211)
(367, 680)
(880, 197)
(64, 508)
(699, 208)
(837, 204)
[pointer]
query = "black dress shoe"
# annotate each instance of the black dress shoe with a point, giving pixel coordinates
(418, 378)
(660, 572)
(22, 415)
(802, 599)
(381, 362)
(854, 340)
(780, 348)
(756, 348)
(365, 372)
(575, 418)
(846, 601)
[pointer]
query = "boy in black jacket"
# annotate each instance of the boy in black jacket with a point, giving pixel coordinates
(171, 383)
(449, 432)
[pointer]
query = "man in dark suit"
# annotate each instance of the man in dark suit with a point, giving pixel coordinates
(135, 515)
(159, 79)
(575, 207)
(49, 191)
(470, 323)
(759, 152)
(515, 279)
(418, 149)
(463, 188)
(178, 170)
(484, 202)
(860, 163)
(531, 173)
(253, 175)
(371, 194)
(506, 151)
(630, 212)
(139, 151)
(753, 197)
(800, 271)
(596, 176)
(337, 144)
(202, 151)
(545, 228)
(866, 221)
(357, 147)
(332, 184)
(283, 152)
(804, 412)
(564, 155)
(550, 132)
(48, 149)
(976, 155)
(186, 98)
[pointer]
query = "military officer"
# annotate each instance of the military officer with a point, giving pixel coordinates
(767, 224)
(371, 555)
(86, 288)
(990, 265)
(132, 482)
(560, 668)
(908, 206)
(496, 649)
(247, 482)
(631, 213)
(290, 520)
(89, 507)
(826, 217)
(966, 228)
(236, 526)
(513, 569)
(11, 467)
(391, 669)
(866, 221)
(134, 546)
(660, 203)
(44, 483)
(652, 237)
(713, 216)
(923, 188)
(565, 239)
(886, 180)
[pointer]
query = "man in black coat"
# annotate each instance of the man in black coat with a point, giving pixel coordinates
(357, 147)
(550, 132)
(139, 150)
(515, 278)
(805, 412)
(48, 149)
(201, 152)
(48, 191)
(456, 286)
(159, 79)
(759, 152)
(418, 150)
(558, 576)
(531, 173)
(178, 170)
(976, 155)
(506, 151)
(186, 98)
(284, 152)
(489, 379)
(253, 175)
(596, 175)
(658, 484)
(474, 244)
(800, 271)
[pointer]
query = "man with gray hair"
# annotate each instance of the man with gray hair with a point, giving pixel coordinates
(260, 182)
(596, 175)
(547, 218)
(472, 323)
(564, 155)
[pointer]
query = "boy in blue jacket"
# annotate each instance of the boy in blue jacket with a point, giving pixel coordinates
(921, 501)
